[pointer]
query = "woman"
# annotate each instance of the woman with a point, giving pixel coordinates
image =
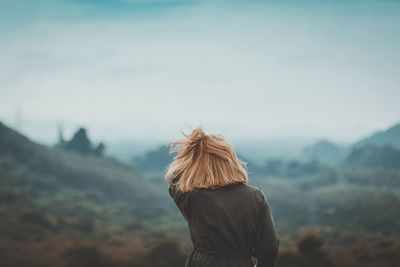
(229, 221)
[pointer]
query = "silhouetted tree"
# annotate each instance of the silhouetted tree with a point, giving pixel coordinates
(99, 150)
(81, 143)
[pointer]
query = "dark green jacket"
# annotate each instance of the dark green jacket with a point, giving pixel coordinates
(228, 225)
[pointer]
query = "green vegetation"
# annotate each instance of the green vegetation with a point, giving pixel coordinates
(47, 192)
(74, 207)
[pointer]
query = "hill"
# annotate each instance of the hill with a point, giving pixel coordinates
(154, 161)
(327, 152)
(48, 192)
(374, 157)
(390, 136)
(324, 151)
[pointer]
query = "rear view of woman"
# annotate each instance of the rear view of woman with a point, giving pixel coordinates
(229, 221)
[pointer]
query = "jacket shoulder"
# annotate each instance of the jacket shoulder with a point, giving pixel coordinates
(256, 191)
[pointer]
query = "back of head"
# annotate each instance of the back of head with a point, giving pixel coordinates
(204, 161)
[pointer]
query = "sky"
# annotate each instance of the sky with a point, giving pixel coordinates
(134, 69)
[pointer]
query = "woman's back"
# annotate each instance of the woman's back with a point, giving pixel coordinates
(228, 225)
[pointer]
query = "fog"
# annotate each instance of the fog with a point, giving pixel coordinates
(135, 69)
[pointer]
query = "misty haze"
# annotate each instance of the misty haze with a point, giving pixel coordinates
(92, 93)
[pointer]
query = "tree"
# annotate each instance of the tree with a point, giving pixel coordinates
(81, 143)
(99, 150)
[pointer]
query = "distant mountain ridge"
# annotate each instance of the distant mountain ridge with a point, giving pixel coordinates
(390, 136)
(328, 152)
(325, 151)
(371, 156)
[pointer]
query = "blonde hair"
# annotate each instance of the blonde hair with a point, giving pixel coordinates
(204, 161)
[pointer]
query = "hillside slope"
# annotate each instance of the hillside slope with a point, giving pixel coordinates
(390, 136)
(46, 192)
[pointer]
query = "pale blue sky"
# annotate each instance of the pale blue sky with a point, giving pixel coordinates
(246, 69)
